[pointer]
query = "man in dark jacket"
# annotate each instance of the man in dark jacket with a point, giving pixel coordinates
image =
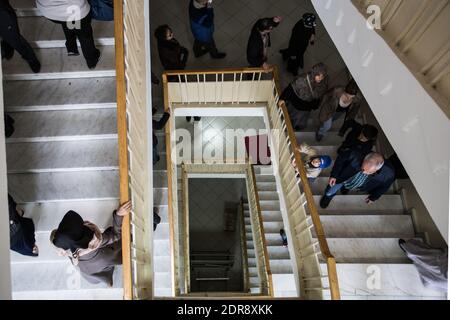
(303, 34)
(362, 138)
(172, 55)
(259, 42)
(201, 16)
(158, 125)
(353, 171)
(13, 40)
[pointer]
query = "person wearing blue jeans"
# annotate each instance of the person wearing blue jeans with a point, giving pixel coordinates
(336, 103)
(355, 171)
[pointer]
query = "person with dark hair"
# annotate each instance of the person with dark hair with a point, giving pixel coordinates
(62, 12)
(338, 102)
(354, 171)
(362, 138)
(95, 253)
(303, 95)
(172, 55)
(303, 35)
(201, 16)
(21, 231)
(11, 39)
(158, 125)
(259, 42)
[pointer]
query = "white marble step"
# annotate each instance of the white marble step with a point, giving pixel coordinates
(162, 231)
(161, 263)
(280, 266)
(53, 94)
(55, 276)
(319, 185)
(367, 250)
(57, 65)
(268, 195)
(387, 204)
(162, 280)
(47, 215)
(93, 294)
(284, 285)
(331, 139)
(272, 239)
(383, 226)
(82, 185)
(267, 186)
(39, 29)
(160, 179)
(268, 216)
(59, 156)
(64, 123)
(160, 292)
(269, 227)
(397, 282)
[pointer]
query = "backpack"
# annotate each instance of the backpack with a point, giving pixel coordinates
(102, 10)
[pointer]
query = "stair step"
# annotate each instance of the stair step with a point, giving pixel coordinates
(269, 227)
(331, 139)
(48, 156)
(41, 29)
(319, 185)
(53, 186)
(253, 272)
(55, 92)
(267, 186)
(278, 252)
(280, 266)
(161, 263)
(387, 204)
(55, 276)
(57, 65)
(160, 179)
(264, 179)
(267, 216)
(269, 205)
(398, 281)
(272, 239)
(93, 294)
(162, 231)
(268, 195)
(161, 248)
(367, 250)
(162, 280)
(47, 215)
(383, 226)
(162, 292)
(54, 124)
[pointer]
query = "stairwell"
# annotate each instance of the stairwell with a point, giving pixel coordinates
(63, 154)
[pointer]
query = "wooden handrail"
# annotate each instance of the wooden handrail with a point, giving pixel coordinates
(263, 234)
(315, 217)
(123, 145)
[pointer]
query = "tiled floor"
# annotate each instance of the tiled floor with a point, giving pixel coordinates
(233, 22)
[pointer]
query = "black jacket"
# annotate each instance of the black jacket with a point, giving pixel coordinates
(300, 38)
(159, 125)
(348, 163)
(255, 47)
(172, 55)
(352, 142)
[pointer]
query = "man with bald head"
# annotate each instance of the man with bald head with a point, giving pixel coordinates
(355, 171)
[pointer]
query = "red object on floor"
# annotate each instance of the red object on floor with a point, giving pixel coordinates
(258, 149)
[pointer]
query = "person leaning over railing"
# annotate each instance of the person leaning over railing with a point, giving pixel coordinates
(304, 94)
(93, 252)
(314, 163)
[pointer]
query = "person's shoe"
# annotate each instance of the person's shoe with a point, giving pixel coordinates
(344, 191)
(73, 53)
(284, 237)
(197, 119)
(188, 119)
(401, 243)
(325, 202)
(35, 251)
(35, 66)
(219, 55)
(319, 137)
(92, 64)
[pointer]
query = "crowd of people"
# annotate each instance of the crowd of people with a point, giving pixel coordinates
(356, 168)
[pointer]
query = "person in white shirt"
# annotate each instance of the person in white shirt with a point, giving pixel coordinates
(75, 18)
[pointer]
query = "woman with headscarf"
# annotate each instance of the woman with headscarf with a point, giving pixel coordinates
(95, 253)
(304, 94)
(21, 231)
(313, 162)
(303, 34)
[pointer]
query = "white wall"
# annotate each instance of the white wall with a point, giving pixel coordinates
(5, 268)
(414, 124)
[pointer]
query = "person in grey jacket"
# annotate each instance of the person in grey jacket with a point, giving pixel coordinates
(95, 253)
(75, 18)
(304, 94)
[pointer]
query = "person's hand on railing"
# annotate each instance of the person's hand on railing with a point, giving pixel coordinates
(267, 67)
(332, 182)
(124, 209)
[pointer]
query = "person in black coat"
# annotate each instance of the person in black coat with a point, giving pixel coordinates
(173, 56)
(158, 125)
(259, 42)
(21, 231)
(13, 40)
(303, 34)
(354, 171)
(361, 137)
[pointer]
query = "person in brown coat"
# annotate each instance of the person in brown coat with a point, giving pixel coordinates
(95, 253)
(337, 102)
(173, 56)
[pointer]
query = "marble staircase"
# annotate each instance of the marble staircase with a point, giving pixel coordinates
(63, 154)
